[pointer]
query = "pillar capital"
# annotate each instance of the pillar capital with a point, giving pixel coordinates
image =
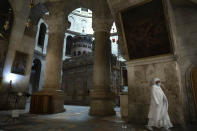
(102, 24)
(53, 97)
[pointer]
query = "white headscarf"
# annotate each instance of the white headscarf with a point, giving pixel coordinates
(155, 80)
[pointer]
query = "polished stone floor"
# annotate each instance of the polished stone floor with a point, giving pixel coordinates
(75, 118)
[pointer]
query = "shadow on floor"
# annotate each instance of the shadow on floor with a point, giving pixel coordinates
(76, 118)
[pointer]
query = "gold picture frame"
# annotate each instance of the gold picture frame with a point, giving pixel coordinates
(19, 64)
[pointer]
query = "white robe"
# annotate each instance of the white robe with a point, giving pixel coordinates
(158, 112)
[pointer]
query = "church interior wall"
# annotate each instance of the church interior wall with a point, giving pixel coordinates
(183, 32)
(181, 15)
(185, 15)
(24, 43)
(141, 73)
(140, 76)
(20, 82)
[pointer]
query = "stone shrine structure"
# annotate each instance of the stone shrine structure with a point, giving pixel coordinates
(78, 72)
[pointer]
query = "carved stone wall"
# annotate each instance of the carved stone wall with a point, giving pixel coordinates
(182, 17)
(185, 23)
(140, 76)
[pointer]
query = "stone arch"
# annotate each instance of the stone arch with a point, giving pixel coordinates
(82, 25)
(72, 5)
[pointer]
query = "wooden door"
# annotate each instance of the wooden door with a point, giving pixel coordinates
(194, 84)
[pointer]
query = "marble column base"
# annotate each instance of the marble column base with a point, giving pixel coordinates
(47, 102)
(101, 103)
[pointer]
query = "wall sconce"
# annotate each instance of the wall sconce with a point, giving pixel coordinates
(10, 83)
(6, 25)
(28, 24)
(31, 4)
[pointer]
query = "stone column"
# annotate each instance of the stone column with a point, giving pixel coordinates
(21, 12)
(101, 96)
(51, 97)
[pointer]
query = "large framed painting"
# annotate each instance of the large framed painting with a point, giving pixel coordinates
(19, 64)
(146, 30)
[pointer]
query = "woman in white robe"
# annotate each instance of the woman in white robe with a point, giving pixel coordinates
(158, 112)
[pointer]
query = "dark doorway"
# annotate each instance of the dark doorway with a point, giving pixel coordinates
(194, 84)
(35, 76)
(69, 42)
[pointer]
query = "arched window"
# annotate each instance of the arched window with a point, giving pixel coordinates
(93, 45)
(42, 33)
(74, 54)
(69, 43)
(35, 75)
(79, 53)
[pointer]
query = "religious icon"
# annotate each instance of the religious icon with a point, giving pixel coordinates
(20, 63)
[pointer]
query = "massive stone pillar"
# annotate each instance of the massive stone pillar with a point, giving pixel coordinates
(101, 96)
(21, 12)
(50, 99)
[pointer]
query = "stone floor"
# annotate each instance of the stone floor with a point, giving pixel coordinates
(75, 118)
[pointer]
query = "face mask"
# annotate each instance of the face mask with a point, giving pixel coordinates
(158, 84)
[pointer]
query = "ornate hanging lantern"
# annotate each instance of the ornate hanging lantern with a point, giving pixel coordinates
(31, 4)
